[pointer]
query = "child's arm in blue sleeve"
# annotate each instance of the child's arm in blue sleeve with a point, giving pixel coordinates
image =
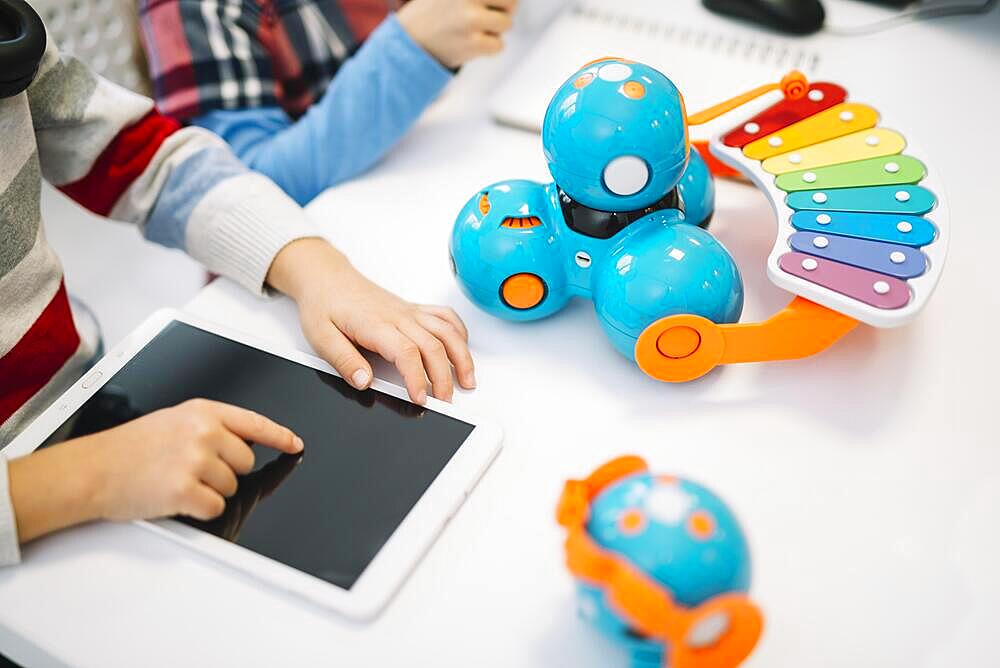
(374, 98)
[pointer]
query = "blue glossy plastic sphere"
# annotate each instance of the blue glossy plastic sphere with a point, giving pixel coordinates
(677, 532)
(664, 269)
(697, 189)
(615, 136)
(485, 253)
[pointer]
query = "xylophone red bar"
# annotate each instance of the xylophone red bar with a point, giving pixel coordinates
(786, 112)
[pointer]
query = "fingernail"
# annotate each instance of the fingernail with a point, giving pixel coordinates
(360, 379)
(470, 380)
(422, 397)
(299, 444)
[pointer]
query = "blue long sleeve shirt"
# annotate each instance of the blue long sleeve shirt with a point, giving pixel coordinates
(371, 102)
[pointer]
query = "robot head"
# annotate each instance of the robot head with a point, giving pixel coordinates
(615, 135)
(662, 563)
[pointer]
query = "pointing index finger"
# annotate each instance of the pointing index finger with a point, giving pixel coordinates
(252, 426)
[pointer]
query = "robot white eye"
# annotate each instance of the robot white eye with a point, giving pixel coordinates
(706, 632)
(614, 72)
(626, 175)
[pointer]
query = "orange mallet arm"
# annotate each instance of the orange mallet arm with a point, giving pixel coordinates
(793, 86)
(679, 348)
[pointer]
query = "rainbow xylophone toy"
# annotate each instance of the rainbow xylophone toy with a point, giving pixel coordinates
(860, 228)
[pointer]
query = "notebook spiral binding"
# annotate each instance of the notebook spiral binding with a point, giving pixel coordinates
(777, 54)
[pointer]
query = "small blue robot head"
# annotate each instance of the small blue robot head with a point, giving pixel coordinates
(615, 135)
(676, 531)
(662, 564)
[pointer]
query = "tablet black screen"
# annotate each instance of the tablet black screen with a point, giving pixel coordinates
(368, 457)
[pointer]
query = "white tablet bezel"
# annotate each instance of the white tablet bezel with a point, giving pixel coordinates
(401, 552)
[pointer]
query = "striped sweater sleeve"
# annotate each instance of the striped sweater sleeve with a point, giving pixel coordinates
(112, 152)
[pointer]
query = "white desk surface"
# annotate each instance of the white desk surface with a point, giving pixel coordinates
(867, 478)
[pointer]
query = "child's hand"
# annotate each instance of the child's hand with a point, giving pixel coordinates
(177, 461)
(456, 31)
(339, 308)
(181, 460)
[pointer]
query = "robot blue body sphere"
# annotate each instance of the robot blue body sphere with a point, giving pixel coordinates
(622, 224)
(615, 136)
(676, 532)
(662, 566)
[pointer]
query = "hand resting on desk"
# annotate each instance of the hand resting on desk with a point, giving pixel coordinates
(339, 308)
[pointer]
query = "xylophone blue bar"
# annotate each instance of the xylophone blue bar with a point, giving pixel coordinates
(907, 199)
(889, 259)
(891, 228)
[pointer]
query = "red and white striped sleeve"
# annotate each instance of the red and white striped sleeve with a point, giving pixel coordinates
(111, 151)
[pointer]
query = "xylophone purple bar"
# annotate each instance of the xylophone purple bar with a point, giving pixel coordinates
(872, 288)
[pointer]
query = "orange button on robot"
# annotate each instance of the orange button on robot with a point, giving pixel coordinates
(523, 291)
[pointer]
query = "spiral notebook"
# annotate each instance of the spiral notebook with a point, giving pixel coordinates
(709, 58)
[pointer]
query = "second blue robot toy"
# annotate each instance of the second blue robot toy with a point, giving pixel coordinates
(622, 224)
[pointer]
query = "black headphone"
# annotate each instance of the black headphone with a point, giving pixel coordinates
(22, 45)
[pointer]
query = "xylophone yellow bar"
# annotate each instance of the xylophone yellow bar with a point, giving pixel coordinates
(835, 122)
(861, 145)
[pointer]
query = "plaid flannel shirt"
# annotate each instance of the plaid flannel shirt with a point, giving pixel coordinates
(206, 55)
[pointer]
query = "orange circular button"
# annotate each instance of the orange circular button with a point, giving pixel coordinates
(679, 348)
(632, 522)
(634, 90)
(522, 291)
(678, 342)
(701, 525)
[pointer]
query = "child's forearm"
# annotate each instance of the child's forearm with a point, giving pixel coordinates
(53, 489)
(374, 99)
(298, 265)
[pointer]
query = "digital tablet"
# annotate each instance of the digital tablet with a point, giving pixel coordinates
(343, 523)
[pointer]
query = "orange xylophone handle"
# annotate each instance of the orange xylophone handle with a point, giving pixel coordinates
(793, 86)
(680, 348)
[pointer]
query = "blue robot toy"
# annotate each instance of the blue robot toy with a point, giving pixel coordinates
(661, 565)
(623, 223)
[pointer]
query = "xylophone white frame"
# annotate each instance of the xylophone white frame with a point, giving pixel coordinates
(921, 287)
